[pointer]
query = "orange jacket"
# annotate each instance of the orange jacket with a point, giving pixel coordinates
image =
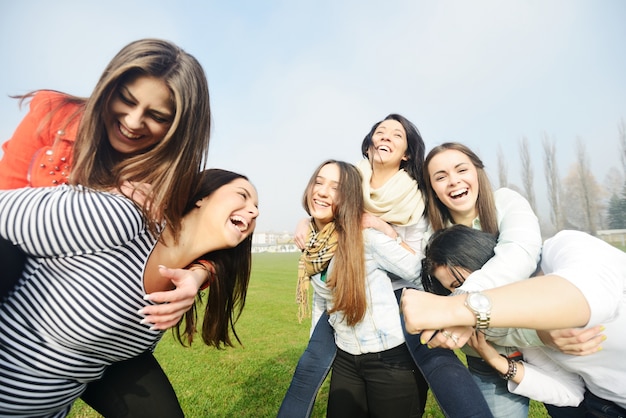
(40, 152)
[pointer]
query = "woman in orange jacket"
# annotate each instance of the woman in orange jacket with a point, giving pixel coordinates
(144, 128)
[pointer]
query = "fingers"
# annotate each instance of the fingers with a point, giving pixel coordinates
(450, 338)
(448, 334)
(474, 340)
(170, 306)
(164, 316)
(578, 342)
(426, 337)
(590, 346)
(180, 294)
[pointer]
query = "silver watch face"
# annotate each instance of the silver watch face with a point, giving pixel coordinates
(479, 302)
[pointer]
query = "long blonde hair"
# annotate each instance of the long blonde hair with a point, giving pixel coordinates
(172, 166)
(439, 215)
(347, 276)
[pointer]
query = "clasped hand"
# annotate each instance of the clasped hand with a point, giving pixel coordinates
(172, 304)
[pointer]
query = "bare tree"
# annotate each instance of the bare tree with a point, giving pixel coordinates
(622, 145)
(502, 168)
(553, 181)
(527, 174)
(613, 181)
(583, 194)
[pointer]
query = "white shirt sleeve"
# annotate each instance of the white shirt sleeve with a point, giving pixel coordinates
(320, 303)
(391, 256)
(518, 248)
(595, 267)
(545, 381)
(414, 235)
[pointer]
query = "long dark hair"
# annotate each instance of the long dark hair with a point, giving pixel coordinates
(228, 287)
(415, 147)
(458, 246)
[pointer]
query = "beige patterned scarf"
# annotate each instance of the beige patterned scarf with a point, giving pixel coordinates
(399, 201)
(320, 248)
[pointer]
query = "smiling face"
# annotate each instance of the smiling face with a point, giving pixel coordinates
(389, 144)
(454, 180)
(228, 215)
(323, 195)
(139, 115)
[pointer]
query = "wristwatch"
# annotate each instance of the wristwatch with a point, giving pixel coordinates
(480, 305)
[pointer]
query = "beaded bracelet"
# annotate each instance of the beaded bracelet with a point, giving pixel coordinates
(510, 374)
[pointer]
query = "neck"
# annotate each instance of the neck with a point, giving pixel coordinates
(381, 174)
(465, 218)
(174, 254)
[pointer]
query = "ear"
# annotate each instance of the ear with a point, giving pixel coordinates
(200, 202)
(405, 158)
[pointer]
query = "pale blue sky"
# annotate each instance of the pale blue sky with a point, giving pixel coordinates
(295, 82)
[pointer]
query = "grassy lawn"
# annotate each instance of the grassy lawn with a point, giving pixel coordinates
(250, 381)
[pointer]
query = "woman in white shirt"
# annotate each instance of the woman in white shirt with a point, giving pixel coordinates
(584, 285)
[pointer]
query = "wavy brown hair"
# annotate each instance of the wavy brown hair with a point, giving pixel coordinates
(347, 276)
(172, 166)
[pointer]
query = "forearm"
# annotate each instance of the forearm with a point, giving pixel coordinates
(546, 302)
(509, 369)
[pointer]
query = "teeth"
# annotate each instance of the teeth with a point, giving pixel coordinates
(383, 148)
(458, 192)
(127, 134)
(319, 202)
(239, 222)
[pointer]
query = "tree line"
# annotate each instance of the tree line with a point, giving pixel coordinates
(576, 201)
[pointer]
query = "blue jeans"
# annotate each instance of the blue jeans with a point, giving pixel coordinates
(450, 381)
(310, 373)
(503, 404)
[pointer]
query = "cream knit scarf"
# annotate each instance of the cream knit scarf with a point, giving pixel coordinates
(398, 202)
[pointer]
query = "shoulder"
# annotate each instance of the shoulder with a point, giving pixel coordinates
(95, 201)
(112, 211)
(504, 193)
(508, 199)
(570, 241)
(45, 101)
(48, 98)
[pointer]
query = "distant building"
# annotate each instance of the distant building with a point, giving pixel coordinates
(614, 236)
(272, 242)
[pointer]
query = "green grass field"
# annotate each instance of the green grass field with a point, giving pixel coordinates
(250, 381)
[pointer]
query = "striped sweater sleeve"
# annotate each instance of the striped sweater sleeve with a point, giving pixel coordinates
(66, 220)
